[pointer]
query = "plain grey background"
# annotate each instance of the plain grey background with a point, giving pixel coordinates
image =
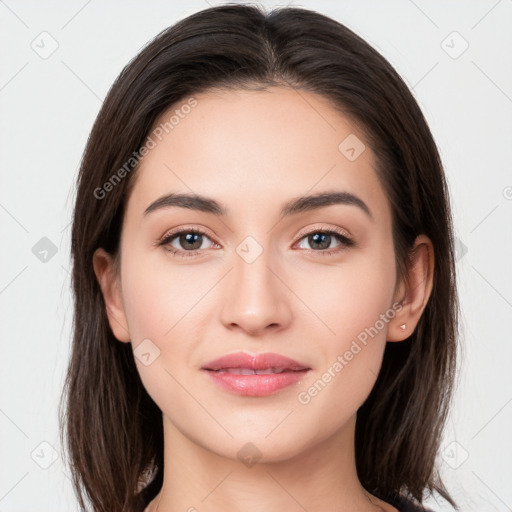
(58, 60)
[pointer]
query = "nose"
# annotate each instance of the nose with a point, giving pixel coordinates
(256, 297)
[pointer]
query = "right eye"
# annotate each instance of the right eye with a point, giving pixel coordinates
(186, 242)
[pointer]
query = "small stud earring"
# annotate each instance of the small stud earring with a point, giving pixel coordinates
(403, 327)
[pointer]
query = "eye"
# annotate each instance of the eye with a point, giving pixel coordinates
(190, 242)
(321, 239)
(186, 242)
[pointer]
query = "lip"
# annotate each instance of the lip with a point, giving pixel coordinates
(256, 362)
(222, 372)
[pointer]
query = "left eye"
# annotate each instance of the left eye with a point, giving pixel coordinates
(321, 240)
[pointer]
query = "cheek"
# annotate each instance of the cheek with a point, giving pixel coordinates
(351, 296)
(165, 314)
(159, 296)
(354, 305)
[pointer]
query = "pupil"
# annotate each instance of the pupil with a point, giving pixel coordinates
(191, 238)
(315, 238)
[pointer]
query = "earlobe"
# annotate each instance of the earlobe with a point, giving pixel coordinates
(104, 268)
(413, 296)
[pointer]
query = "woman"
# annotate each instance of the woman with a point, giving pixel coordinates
(264, 281)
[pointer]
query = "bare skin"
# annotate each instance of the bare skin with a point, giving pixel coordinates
(252, 151)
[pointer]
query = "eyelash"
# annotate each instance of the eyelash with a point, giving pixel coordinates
(339, 235)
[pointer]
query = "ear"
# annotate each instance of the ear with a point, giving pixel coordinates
(413, 294)
(104, 268)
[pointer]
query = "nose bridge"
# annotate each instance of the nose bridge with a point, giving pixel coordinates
(254, 297)
(252, 272)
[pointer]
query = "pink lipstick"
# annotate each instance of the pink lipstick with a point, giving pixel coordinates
(259, 375)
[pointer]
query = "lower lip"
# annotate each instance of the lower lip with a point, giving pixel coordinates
(255, 385)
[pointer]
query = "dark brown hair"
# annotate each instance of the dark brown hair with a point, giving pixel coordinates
(111, 427)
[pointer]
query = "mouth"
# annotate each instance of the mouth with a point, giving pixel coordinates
(267, 362)
(249, 371)
(260, 375)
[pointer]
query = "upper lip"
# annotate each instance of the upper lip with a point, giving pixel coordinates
(254, 362)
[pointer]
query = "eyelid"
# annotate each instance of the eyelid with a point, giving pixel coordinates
(188, 228)
(323, 228)
(304, 232)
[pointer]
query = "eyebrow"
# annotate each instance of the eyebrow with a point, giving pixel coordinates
(293, 206)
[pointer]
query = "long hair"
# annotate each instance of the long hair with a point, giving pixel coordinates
(111, 427)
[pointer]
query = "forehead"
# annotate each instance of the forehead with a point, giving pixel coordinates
(254, 149)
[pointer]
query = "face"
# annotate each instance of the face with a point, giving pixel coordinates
(315, 284)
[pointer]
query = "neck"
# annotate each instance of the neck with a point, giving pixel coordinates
(320, 477)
